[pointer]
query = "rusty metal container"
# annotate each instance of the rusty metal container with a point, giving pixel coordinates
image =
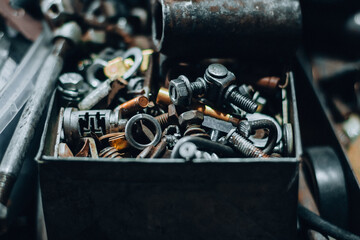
(235, 198)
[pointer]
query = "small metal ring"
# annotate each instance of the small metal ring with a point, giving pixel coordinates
(129, 127)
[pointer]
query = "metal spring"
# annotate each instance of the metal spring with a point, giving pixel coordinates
(196, 131)
(110, 152)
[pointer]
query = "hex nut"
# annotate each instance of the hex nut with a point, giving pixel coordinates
(191, 117)
(71, 81)
(180, 91)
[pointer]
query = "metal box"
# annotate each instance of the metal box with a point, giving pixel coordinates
(234, 198)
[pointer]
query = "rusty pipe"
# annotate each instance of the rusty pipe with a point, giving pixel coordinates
(249, 29)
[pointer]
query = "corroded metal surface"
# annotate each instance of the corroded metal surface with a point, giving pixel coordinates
(251, 28)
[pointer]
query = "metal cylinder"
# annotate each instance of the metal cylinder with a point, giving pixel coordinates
(246, 29)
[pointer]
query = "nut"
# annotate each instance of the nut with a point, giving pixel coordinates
(191, 117)
(71, 81)
(180, 91)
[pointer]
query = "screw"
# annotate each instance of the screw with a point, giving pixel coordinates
(244, 146)
(239, 100)
(191, 121)
(181, 90)
(169, 118)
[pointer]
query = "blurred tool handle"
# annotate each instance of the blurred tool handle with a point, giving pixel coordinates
(26, 127)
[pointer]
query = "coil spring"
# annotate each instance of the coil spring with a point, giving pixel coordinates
(110, 152)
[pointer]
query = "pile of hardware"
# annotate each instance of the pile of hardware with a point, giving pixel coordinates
(111, 109)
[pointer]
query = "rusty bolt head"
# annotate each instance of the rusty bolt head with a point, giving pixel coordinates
(173, 114)
(71, 81)
(191, 117)
(180, 91)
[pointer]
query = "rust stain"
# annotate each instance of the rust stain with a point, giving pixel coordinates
(232, 7)
(214, 9)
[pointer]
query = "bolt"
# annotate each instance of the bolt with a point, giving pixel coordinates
(72, 87)
(244, 146)
(246, 90)
(181, 90)
(239, 100)
(247, 128)
(217, 70)
(191, 121)
(192, 117)
(169, 118)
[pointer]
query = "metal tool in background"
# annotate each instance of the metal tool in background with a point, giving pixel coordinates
(20, 20)
(10, 166)
(252, 29)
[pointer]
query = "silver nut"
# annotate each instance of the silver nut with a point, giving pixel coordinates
(179, 91)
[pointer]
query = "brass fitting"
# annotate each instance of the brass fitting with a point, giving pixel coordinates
(163, 97)
(208, 111)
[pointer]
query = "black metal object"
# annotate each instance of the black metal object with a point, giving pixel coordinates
(315, 222)
(152, 200)
(247, 128)
(320, 132)
(251, 29)
(203, 144)
(227, 198)
(329, 181)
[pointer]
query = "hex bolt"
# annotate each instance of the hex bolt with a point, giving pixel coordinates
(181, 90)
(191, 122)
(244, 146)
(239, 100)
(169, 118)
(72, 87)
